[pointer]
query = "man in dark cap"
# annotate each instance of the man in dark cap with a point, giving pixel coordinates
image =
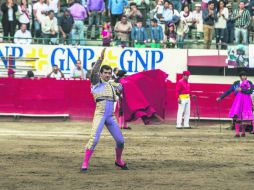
(183, 95)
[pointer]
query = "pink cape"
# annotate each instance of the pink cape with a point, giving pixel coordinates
(144, 96)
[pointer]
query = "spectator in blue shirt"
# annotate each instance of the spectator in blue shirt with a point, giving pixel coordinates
(116, 10)
(139, 35)
(156, 33)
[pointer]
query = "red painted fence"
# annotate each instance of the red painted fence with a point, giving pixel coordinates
(50, 96)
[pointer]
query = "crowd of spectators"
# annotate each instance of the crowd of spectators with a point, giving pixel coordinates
(138, 23)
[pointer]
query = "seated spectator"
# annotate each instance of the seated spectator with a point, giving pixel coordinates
(115, 71)
(169, 14)
(198, 21)
(9, 9)
(25, 11)
(133, 14)
(49, 28)
(143, 6)
(89, 71)
(78, 71)
(139, 35)
(65, 26)
(40, 9)
(242, 20)
(156, 33)
(23, 36)
(55, 73)
(170, 36)
(158, 9)
(106, 35)
(79, 14)
(123, 30)
(11, 73)
(30, 74)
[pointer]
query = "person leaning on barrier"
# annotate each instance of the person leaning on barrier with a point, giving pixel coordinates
(55, 73)
(78, 71)
(23, 36)
(139, 35)
(123, 30)
(65, 27)
(156, 34)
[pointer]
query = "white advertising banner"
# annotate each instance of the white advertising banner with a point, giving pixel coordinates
(42, 57)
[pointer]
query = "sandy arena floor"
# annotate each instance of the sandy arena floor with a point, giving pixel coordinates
(48, 156)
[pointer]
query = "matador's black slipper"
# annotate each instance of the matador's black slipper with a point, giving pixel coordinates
(83, 170)
(124, 167)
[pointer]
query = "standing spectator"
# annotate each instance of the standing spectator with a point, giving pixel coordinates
(25, 11)
(55, 73)
(221, 24)
(106, 35)
(95, 10)
(49, 28)
(23, 36)
(156, 33)
(242, 21)
(170, 36)
(251, 9)
(116, 10)
(204, 4)
(79, 14)
(40, 10)
(143, 6)
(78, 71)
(54, 5)
(187, 16)
(11, 73)
(134, 14)
(65, 26)
(177, 5)
(9, 9)
(230, 30)
(123, 30)
(209, 17)
(198, 21)
(139, 35)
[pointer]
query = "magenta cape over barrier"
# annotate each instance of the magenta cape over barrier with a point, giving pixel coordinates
(144, 96)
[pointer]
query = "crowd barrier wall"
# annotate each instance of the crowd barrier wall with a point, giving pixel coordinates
(73, 97)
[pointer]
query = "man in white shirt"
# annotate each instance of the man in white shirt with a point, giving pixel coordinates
(39, 11)
(49, 27)
(23, 36)
(78, 71)
(55, 73)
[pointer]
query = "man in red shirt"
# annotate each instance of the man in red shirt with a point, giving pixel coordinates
(183, 95)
